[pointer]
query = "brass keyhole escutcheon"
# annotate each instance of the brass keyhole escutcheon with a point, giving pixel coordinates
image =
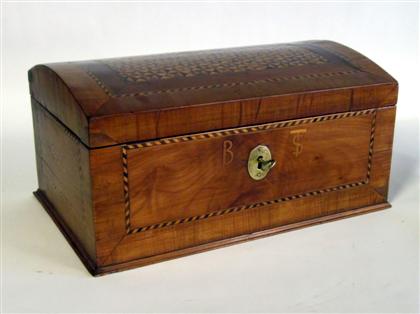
(260, 162)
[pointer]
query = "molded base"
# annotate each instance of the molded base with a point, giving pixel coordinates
(96, 271)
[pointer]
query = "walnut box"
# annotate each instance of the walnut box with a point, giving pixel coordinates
(144, 159)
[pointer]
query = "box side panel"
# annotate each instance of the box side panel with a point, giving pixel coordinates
(64, 180)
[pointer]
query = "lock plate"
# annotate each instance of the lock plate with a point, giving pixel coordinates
(260, 162)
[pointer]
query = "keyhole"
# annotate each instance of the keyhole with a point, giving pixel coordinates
(260, 162)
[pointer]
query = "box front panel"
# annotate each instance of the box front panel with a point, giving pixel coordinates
(171, 197)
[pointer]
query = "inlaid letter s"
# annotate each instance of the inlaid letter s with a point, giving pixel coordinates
(227, 152)
(297, 136)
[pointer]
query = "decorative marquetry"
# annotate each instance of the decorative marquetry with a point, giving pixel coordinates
(147, 158)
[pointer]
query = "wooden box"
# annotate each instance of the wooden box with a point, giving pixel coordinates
(143, 159)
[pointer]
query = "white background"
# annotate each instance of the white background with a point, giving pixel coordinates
(365, 264)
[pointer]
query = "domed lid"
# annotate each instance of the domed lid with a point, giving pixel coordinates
(113, 101)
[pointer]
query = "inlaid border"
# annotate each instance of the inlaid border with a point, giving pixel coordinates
(218, 85)
(229, 132)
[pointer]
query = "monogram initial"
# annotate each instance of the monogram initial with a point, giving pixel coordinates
(227, 152)
(297, 137)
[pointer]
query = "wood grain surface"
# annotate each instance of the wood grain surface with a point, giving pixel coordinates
(94, 220)
(120, 100)
(64, 177)
(206, 174)
(143, 159)
(115, 245)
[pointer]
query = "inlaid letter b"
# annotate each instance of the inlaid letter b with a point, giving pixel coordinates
(227, 152)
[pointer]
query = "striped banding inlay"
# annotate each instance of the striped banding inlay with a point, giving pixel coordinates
(219, 85)
(371, 142)
(229, 132)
